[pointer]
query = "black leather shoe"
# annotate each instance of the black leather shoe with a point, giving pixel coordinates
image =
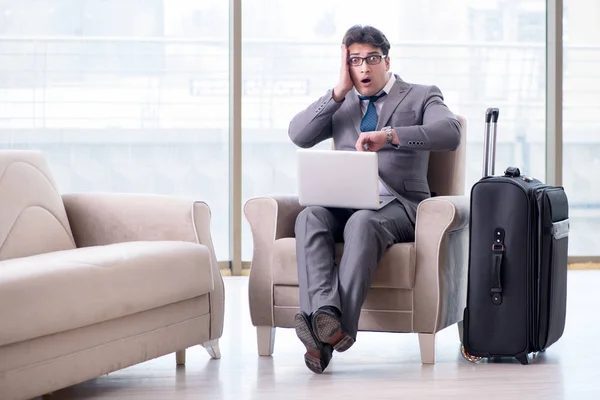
(328, 329)
(318, 355)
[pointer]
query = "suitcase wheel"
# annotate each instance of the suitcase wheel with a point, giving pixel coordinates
(469, 357)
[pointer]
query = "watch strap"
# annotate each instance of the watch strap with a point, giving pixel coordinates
(390, 137)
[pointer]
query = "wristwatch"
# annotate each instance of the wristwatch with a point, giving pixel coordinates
(389, 136)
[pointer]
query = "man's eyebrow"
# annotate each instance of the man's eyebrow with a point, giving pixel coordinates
(358, 54)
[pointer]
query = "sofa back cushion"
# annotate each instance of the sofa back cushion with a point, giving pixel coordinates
(33, 219)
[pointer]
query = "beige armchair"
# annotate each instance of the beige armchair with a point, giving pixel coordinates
(419, 287)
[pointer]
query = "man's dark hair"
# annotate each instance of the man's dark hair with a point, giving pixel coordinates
(367, 35)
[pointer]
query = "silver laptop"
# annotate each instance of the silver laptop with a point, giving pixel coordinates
(339, 179)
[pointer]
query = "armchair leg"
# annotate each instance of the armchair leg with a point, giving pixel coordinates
(266, 340)
(427, 347)
(212, 348)
(180, 357)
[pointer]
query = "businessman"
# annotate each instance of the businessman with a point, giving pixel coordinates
(370, 109)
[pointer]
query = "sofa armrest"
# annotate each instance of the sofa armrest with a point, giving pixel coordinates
(441, 244)
(106, 218)
(270, 218)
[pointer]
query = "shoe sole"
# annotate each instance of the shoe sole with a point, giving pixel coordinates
(312, 357)
(329, 330)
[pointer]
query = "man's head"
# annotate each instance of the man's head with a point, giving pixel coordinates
(368, 60)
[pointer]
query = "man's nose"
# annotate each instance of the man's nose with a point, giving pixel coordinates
(365, 67)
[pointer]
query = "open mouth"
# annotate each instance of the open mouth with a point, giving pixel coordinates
(366, 80)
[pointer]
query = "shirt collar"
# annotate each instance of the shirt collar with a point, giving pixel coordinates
(388, 86)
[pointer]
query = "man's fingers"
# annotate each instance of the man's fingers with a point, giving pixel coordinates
(362, 143)
(359, 144)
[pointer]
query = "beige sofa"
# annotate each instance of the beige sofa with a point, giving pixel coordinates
(418, 287)
(92, 283)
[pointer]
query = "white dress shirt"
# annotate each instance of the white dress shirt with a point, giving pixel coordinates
(378, 105)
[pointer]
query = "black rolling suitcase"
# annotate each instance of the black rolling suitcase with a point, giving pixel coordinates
(517, 278)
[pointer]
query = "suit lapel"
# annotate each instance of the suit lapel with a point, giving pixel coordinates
(353, 110)
(398, 92)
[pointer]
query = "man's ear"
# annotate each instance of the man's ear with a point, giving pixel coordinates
(387, 63)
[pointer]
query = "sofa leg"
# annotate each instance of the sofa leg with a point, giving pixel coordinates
(427, 346)
(212, 348)
(180, 357)
(266, 340)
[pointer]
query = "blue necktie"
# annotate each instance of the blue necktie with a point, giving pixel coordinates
(369, 121)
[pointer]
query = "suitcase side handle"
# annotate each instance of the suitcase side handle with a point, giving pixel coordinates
(496, 276)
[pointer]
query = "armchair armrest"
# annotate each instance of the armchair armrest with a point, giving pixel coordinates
(106, 218)
(441, 244)
(270, 218)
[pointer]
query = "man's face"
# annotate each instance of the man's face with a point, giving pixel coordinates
(368, 78)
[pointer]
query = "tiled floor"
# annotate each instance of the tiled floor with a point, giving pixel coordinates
(378, 366)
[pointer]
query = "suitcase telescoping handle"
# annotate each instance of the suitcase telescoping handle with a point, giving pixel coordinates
(489, 141)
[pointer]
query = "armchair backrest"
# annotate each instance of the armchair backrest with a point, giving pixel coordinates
(33, 219)
(446, 174)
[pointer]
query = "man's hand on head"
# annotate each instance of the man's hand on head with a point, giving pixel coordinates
(374, 140)
(345, 84)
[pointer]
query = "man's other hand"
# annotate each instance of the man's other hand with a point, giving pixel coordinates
(371, 141)
(345, 84)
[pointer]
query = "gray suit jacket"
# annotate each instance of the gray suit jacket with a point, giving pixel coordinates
(418, 114)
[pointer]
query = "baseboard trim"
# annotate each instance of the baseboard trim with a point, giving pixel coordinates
(585, 266)
(225, 268)
(227, 272)
(575, 264)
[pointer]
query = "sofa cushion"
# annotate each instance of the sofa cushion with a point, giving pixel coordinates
(396, 269)
(54, 292)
